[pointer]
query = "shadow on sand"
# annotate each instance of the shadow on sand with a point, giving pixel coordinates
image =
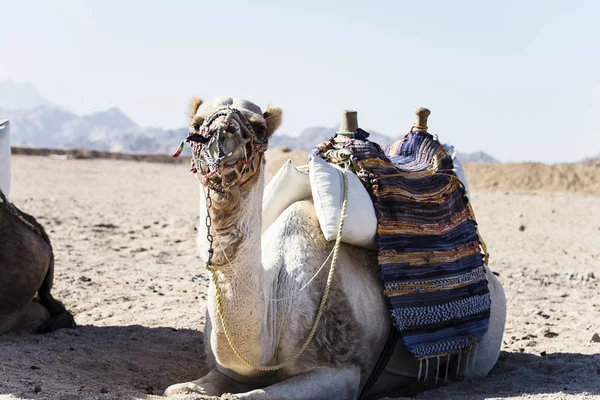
(131, 362)
(104, 362)
(517, 374)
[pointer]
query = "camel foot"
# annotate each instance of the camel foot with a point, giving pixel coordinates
(59, 316)
(212, 384)
(36, 316)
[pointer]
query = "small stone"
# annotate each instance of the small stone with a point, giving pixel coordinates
(37, 389)
(550, 334)
(596, 338)
(104, 390)
(149, 389)
(591, 275)
(543, 354)
(34, 367)
(541, 314)
(522, 228)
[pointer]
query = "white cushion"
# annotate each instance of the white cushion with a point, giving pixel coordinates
(360, 223)
(287, 186)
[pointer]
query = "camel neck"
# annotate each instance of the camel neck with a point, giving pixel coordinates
(234, 216)
(236, 228)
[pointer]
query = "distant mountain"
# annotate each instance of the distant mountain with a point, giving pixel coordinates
(16, 95)
(112, 130)
(109, 130)
(311, 137)
(37, 122)
(477, 157)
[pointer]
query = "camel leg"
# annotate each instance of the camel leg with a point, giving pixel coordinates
(59, 316)
(320, 383)
(214, 383)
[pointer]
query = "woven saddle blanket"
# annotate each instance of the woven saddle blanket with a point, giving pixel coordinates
(429, 251)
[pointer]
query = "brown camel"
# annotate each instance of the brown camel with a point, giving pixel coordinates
(27, 268)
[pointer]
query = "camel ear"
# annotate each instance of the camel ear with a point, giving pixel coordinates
(195, 103)
(273, 119)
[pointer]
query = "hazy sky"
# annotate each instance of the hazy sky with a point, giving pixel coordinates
(517, 79)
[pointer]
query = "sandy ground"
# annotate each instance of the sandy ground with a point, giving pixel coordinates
(124, 239)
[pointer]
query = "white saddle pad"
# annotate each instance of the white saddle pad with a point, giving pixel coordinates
(324, 184)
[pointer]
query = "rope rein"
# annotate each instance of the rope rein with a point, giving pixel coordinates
(243, 282)
(220, 301)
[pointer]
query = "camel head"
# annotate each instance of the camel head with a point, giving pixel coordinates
(228, 138)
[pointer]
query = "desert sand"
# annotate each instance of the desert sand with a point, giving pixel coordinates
(124, 238)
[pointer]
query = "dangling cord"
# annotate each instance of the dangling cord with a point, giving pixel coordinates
(270, 298)
(220, 301)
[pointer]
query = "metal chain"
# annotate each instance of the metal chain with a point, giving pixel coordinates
(209, 236)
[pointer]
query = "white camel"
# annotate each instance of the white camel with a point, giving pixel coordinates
(260, 277)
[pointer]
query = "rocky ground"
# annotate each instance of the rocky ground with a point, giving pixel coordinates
(124, 238)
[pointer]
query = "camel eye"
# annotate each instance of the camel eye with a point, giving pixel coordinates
(196, 127)
(260, 131)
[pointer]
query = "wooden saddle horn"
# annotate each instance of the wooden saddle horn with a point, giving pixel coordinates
(420, 124)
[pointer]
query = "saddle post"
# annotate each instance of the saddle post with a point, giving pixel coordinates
(420, 124)
(348, 126)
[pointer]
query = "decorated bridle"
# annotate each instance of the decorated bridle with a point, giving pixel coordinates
(209, 135)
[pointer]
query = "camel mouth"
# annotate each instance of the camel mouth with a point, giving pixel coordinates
(226, 150)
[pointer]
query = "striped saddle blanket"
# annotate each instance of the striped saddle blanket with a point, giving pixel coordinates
(431, 258)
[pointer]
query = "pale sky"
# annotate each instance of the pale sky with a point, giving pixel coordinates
(517, 79)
